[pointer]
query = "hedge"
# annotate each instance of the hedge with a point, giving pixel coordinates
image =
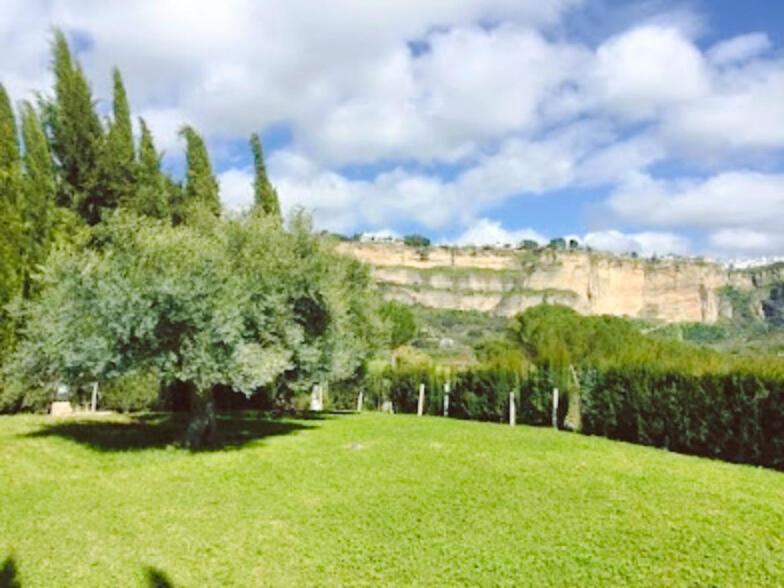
(735, 416)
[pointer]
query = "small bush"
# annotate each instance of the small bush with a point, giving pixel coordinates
(132, 393)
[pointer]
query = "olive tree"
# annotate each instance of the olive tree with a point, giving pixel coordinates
(241, 302)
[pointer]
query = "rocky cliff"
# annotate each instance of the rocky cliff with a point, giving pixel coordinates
(505, 281)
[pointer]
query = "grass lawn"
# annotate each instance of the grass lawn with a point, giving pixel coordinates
(373, 500)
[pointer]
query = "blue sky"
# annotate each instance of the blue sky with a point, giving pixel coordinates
(654, 126)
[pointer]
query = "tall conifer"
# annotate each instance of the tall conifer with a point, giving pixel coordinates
(77, 135)
(10, 218)
(118, 166)
(151, 195)
(201, 187)
(265, 196)
(39, 193)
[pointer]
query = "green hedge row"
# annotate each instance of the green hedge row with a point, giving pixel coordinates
(478, 393)
(735, 416)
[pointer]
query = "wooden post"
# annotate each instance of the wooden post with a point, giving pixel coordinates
(94, 399)
(421, 403)
(512, 409)
(360, 400)
(446, 399)
(555, 408)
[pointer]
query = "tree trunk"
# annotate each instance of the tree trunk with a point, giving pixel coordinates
(574, 419)
(202, 426)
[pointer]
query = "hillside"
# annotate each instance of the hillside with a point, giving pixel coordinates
(373, 500)
(504, 282)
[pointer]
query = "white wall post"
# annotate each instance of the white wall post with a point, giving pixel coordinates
(421, 403)
(316, 398)
(360, 400)
(555, 408)
(512, 409)
(446, 399)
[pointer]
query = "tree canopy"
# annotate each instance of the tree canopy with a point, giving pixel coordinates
(204, 306)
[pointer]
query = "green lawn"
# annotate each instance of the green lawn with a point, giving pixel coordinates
(373, 500)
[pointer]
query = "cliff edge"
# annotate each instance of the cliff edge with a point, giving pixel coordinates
(507, 281)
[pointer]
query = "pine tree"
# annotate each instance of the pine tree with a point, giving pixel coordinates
(77, 135)
(117, 173)
(201, 187)
(39, 188)
(151, 191)
(10, 218)
(265, 196)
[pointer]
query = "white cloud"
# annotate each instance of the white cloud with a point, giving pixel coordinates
(739, 49)
(496, 88)
(490, 232)
(340, 203)
(236, 188)
(646, 69)
(747, 242)
(737, 199)
(745, 111)
(645, 243)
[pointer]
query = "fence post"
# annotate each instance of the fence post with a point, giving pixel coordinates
(360, 400)
(421, 403)
(446, 399)
(555, 408)
(512, 410)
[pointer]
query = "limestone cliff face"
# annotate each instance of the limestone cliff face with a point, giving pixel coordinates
(505, 282)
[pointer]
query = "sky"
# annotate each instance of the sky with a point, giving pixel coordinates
(652, 126)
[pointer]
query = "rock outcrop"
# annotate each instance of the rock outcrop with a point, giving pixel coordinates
(506, 281)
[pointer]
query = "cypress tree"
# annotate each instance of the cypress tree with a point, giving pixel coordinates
(39, 193)
(151, 194)
(265, 196)
(9, 146)
(77, 135)
(10, 218)
(201, 187)
(118, 166)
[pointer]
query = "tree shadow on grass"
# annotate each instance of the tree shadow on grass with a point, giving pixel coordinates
(8, 574)
(157, 579)
(162, 430)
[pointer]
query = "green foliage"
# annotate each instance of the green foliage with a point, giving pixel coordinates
(206, 306)
(9, 142)
(150, 197)
(132, 392)
(201, 187)
(742, 303)
(265, 196)
(401, 323)
(416, 240)
(662, 392)
(39, 194)
(558, 336)
(737, 416)
(117, 173)
(501, 352)
(11, 235)
(77, 136)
